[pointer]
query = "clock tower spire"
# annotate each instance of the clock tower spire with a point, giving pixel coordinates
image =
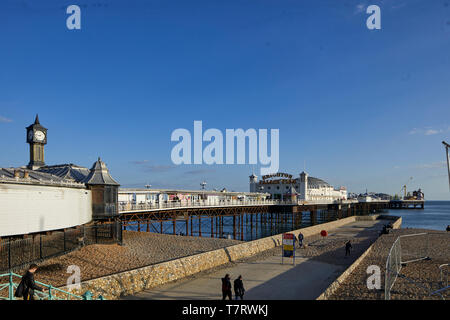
(36, 138)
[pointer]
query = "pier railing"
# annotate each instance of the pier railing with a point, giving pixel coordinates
(124, 207)
(10, 281)
(201, 203)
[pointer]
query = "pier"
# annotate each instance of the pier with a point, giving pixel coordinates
(406, 204)
(245, 220)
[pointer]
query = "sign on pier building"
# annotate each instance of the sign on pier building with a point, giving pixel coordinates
(39, 198)
(283, 186)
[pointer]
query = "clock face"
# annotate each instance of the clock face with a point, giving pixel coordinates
(30, 135)
(39, 135)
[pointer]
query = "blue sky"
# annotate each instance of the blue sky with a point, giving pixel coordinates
(362, 108)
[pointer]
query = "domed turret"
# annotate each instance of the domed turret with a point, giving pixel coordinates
(104, 191)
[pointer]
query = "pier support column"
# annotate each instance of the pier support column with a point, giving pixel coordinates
(251, 227)
(313, 214)
(242, 227)
(234, 226)
(212, 227)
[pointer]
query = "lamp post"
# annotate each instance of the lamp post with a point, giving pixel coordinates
(147, 186)
(261, 188)
(203, 184)
(447, 146)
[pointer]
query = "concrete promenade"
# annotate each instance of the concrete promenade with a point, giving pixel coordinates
(265, 278)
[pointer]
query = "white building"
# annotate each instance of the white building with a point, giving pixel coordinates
(283, 186)
(39, 198)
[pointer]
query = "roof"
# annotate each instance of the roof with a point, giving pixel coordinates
(197, 192)
(36, 124)
(67, 171)
(99, 175)
(35, 177)
(317, 183)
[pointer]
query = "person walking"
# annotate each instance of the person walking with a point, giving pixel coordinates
(300, 240)
(448, 228)
(239, 288)
(348, 246)
(226, 287)
(27, 285)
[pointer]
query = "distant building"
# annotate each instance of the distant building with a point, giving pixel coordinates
(38, 198)
(283, 186)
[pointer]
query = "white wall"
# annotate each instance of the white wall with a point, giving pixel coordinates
(31, 208)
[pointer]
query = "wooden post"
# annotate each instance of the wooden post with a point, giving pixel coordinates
(200, 225)
(212, 227)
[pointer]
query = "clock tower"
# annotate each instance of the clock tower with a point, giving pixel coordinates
(37, 138)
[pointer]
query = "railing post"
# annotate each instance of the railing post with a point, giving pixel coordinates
(11, 286)
(50, 296)
(87, 295)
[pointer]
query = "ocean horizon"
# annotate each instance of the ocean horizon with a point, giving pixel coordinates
(435, 215)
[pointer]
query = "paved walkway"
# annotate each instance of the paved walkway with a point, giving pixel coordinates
(267, 278)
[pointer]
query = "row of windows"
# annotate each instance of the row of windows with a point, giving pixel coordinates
(287, 187)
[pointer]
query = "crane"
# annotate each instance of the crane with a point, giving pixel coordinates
(404, 187)
(447, 146)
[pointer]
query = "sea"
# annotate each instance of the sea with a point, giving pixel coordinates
(435, 216)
